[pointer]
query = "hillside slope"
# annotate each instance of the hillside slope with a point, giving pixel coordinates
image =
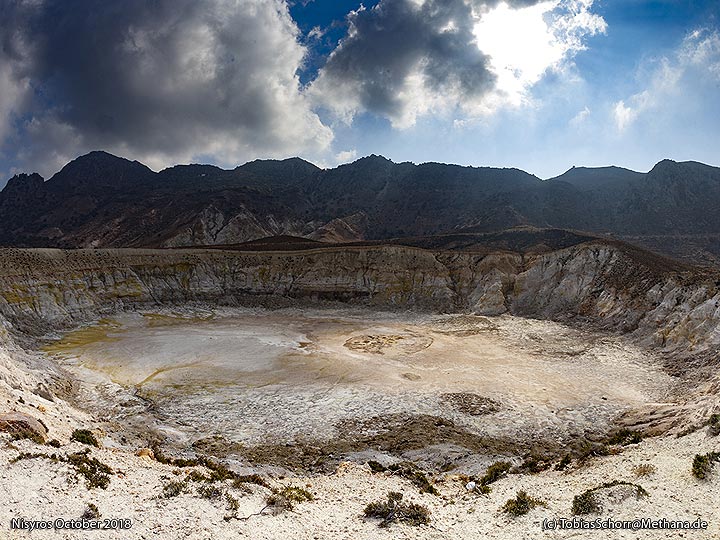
(99, 200)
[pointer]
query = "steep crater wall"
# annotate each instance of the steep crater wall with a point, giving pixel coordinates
(597, 283)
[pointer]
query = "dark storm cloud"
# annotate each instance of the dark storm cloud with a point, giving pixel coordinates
(397, 42)
(163, 78)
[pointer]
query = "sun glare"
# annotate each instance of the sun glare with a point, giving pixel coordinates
(521, 45)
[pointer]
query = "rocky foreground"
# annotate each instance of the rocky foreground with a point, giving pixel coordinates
(670, 309)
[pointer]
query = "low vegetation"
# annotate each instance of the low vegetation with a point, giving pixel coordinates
(624, 437)
(534, 464)
(563, 463)
(173, 488)
(394, 510)
(28, 434)
(95, 472)
(521, 504)
(495, 472)
(645, 469)
(232, 506)
(703, 463)
(409, 471)
(85, 436)
(587, 502)
(210, 491)
(218, 471)
(286, 498)
(91, 512)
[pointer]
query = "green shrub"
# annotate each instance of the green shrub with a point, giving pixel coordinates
(85, 436)
(210, 491)
(495, 472)
(96, 473)
(645, 469)
(624, 437)
(29, 455)
(393, 509)
(250, 479)
(586, 503)
(232, 506)
(218, 471)
(91, 512)
(54, 443)
(29, 435)
(174, 488)
(409, 471)
(534, 464)
(563, 463)
(286, 497)
(521, 504)
(703, 463)
(197, 476)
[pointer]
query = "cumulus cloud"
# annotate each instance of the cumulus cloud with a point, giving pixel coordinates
(406, 58)
(169, 81)
(674, 82)
(345, 156)
(525, 43)
(162, 81)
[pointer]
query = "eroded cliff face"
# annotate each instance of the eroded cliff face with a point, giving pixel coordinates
(599, 283)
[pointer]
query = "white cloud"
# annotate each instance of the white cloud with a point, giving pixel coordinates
(580, 118)
(405, 59)
(624, 115)
(345, 156)
(162, 82)
(672, 80)
(524, 43)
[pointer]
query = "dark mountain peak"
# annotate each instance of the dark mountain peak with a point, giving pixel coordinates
(99, 169)
(587, 178)
(293, 162)
(373, 160)
(664, 166)
(370, 163)
(103, 159)
(274, 167)
(668, 165)
(24, 183)
(691, 173)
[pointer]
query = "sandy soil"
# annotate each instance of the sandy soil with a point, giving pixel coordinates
(39, 489)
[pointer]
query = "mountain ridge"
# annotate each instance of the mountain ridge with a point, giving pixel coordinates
(102, 200)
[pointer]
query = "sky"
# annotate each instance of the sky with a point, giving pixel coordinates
(541, 85)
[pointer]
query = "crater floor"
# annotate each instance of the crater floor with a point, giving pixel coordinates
(260, 377)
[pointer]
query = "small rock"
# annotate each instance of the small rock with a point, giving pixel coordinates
(470, 486)
(44, 392)
(145, 452)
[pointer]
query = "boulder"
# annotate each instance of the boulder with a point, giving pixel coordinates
(17, 423)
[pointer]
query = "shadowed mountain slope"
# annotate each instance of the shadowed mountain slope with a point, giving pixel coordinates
(99, 200)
